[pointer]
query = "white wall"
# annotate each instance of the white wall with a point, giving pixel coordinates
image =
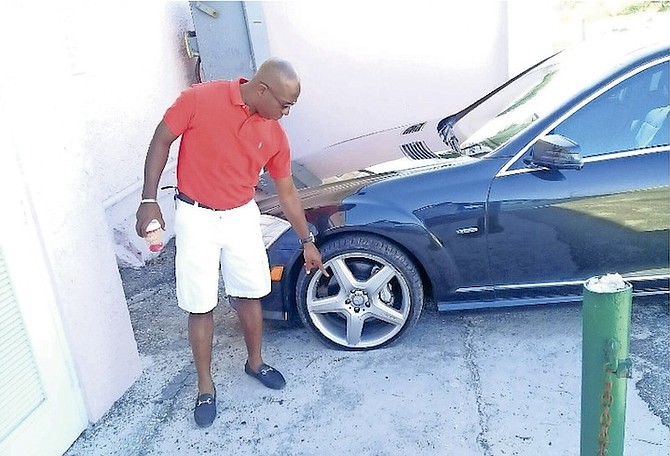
(85, 85)
(533, 29)
(133, 65)
(368, 66)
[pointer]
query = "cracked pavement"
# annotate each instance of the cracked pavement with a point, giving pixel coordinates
(490, 382)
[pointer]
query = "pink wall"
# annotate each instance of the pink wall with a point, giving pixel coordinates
(85, 96)
(374, 66)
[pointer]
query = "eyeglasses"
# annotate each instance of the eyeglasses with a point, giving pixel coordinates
(283, 104)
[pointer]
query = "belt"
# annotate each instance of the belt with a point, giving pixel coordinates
(180, 196)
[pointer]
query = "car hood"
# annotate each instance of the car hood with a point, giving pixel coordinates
(396, 149)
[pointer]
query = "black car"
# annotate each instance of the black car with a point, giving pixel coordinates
(559, 175)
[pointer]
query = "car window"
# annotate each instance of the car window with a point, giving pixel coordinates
(530, 97)
(631, 115)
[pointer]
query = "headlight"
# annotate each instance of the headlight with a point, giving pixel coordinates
(272, 227)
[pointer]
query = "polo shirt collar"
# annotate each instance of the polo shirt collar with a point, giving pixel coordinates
(235, 93)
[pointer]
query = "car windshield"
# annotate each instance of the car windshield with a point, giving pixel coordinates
(494, 122)
(530, 97)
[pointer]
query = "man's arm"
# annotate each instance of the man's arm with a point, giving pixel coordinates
(295, 214)
(157, 156)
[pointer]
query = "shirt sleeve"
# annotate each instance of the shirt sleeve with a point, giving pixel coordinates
(279, 165)
(179, 115)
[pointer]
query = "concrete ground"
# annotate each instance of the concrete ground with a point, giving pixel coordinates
(493, 382)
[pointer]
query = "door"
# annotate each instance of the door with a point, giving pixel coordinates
(41, 409)
(231, 38)
(609, 216)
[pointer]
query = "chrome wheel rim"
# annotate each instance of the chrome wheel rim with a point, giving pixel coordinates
(364, 303)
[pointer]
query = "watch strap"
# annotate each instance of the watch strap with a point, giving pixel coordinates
(307, 239)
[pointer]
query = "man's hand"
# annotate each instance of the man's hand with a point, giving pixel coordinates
(292, 206)
(145, 214)
(313, 259)
(157, 156)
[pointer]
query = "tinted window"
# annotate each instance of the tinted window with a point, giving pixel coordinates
(631, 115)
(537, 93)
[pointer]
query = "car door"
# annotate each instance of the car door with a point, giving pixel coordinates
(555, 226)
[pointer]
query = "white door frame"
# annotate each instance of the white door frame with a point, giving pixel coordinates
(59, 419)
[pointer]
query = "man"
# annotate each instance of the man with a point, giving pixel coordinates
(229, 131)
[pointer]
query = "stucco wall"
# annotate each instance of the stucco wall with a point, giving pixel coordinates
(127, 64)
(132, 73)
(368, 66)
(86, 87)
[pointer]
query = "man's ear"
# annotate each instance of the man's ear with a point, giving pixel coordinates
(262, 88)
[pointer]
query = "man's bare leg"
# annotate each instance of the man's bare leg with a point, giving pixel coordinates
(250, 313)
(200, 335)
(251, 319)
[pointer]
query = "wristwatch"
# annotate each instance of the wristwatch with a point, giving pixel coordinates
(307, 240)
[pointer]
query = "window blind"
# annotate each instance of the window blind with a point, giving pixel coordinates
(21, 389)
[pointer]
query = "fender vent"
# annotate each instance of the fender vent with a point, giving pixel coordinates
(417, 151)
(414, 128)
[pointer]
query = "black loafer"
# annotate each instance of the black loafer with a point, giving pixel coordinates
(267, 375)
(205, 409)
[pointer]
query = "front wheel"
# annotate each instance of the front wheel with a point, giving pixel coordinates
(373, 296)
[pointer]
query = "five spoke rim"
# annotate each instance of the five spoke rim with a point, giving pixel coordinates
(364, 303)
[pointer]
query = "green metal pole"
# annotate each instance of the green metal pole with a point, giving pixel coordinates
(606, 317)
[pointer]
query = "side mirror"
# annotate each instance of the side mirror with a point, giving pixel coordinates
(555, 152)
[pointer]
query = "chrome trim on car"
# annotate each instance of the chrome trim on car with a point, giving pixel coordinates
(550, 298)
(593, 159)
(522, 286)
(418, 150)
(413, 128)
(504, 171)
(627, 153)
(468, 230)
(450, 306)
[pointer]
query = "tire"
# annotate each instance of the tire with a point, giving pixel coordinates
(373, 296)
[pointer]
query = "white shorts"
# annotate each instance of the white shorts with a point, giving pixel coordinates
(207, 238)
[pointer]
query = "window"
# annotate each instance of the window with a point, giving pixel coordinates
(631, 115)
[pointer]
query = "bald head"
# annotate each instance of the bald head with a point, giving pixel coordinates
(277, 71)
(273, 90)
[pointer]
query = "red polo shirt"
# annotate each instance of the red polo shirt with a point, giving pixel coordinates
(223, 148)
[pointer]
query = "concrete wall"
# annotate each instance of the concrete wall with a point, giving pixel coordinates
(368, 66)
(85, 86)
(131, 75)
